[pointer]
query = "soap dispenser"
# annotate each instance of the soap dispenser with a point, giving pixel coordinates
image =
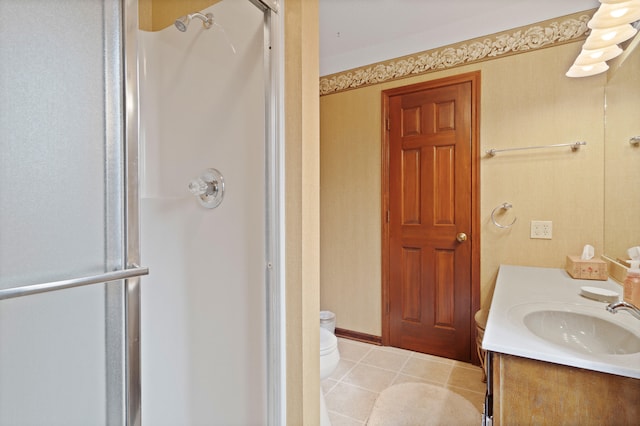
(632, 284)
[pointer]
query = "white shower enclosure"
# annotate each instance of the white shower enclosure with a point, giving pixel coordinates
(102, 129)
(205, 98)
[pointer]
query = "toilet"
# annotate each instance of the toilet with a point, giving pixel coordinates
(329, 358)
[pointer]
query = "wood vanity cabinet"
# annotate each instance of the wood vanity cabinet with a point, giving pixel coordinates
(530, 392)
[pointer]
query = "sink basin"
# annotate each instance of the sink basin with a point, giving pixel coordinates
(582, 332)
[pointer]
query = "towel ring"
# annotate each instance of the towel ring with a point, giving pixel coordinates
(503, 206)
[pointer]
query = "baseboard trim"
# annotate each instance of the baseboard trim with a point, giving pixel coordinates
(360, 337)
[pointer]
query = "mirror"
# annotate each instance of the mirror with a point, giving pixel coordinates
(622, 158)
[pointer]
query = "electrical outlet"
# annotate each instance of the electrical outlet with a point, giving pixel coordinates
(541, 229)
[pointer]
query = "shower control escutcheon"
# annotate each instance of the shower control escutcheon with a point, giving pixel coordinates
(208, 188)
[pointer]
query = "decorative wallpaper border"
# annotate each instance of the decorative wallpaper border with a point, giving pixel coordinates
(556, 31)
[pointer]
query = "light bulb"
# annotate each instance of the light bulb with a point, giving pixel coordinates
(587, 57)
(618, 12)
(613, 15)
(587, 70)
(600, 38)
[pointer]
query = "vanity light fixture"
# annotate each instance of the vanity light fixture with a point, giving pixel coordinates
(610, 26)
(587, 70)
(601, 38)
(612, 15)
(590, 57)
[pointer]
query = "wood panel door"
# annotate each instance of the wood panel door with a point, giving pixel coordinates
(430, 201)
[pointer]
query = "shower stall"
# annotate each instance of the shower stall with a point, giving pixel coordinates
(204, 120)
(140, 203)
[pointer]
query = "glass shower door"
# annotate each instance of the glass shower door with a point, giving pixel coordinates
(68, 213)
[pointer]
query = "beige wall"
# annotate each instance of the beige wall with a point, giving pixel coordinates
(302, 181)
(525, 100)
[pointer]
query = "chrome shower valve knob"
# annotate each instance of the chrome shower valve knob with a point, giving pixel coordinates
(208, 188)
(198, 187)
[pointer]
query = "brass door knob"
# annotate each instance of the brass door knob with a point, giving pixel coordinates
(461, 237)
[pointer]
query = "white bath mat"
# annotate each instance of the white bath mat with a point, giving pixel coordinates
(420, 404)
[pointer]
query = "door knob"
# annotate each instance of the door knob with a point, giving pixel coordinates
(461, 237)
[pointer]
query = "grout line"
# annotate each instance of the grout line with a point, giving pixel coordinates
(390, 370)
(467, 389)
(332, 387)
(412, 354)
(349, 417)
(434, 358)
(365, 355)
(404, 364)
(346, 373)
(361, 388)
(467, 366)
(446, 383)
(370, 348)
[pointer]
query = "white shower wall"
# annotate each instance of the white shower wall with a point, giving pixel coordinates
(204, 302)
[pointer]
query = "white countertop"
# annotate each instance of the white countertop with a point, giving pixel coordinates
(519, 288)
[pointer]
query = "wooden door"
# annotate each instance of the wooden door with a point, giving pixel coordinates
(430, 299)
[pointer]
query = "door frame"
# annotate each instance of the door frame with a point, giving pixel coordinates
(474, 237)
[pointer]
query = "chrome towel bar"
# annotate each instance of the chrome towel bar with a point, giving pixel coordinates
(574, 147)
(135, 271)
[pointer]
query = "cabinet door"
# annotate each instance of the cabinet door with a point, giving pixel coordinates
(527, 391)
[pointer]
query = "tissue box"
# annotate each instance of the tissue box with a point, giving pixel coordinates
(592, 269)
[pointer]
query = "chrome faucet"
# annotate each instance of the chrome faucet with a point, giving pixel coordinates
(624, 306)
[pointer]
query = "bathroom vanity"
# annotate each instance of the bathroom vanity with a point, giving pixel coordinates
(556, 357)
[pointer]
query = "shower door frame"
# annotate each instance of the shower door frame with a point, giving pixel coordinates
(133, 390)
(123, 405)
(122, 229)
(274, 202)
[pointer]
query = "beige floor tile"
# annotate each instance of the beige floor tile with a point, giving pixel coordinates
(395, 350)
(433, 358)
(344, 366)
(427, 369)
(403, 378)
(365, 370)
(351, 350)
(465, 364)
(467, 377)
(351, 401)
(477, 399)
(328, 384)
(372, 378)
(386, 359)
(340, 420)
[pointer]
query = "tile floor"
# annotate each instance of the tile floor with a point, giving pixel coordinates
(365, 370)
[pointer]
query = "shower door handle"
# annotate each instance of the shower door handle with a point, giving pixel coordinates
(135, 271)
